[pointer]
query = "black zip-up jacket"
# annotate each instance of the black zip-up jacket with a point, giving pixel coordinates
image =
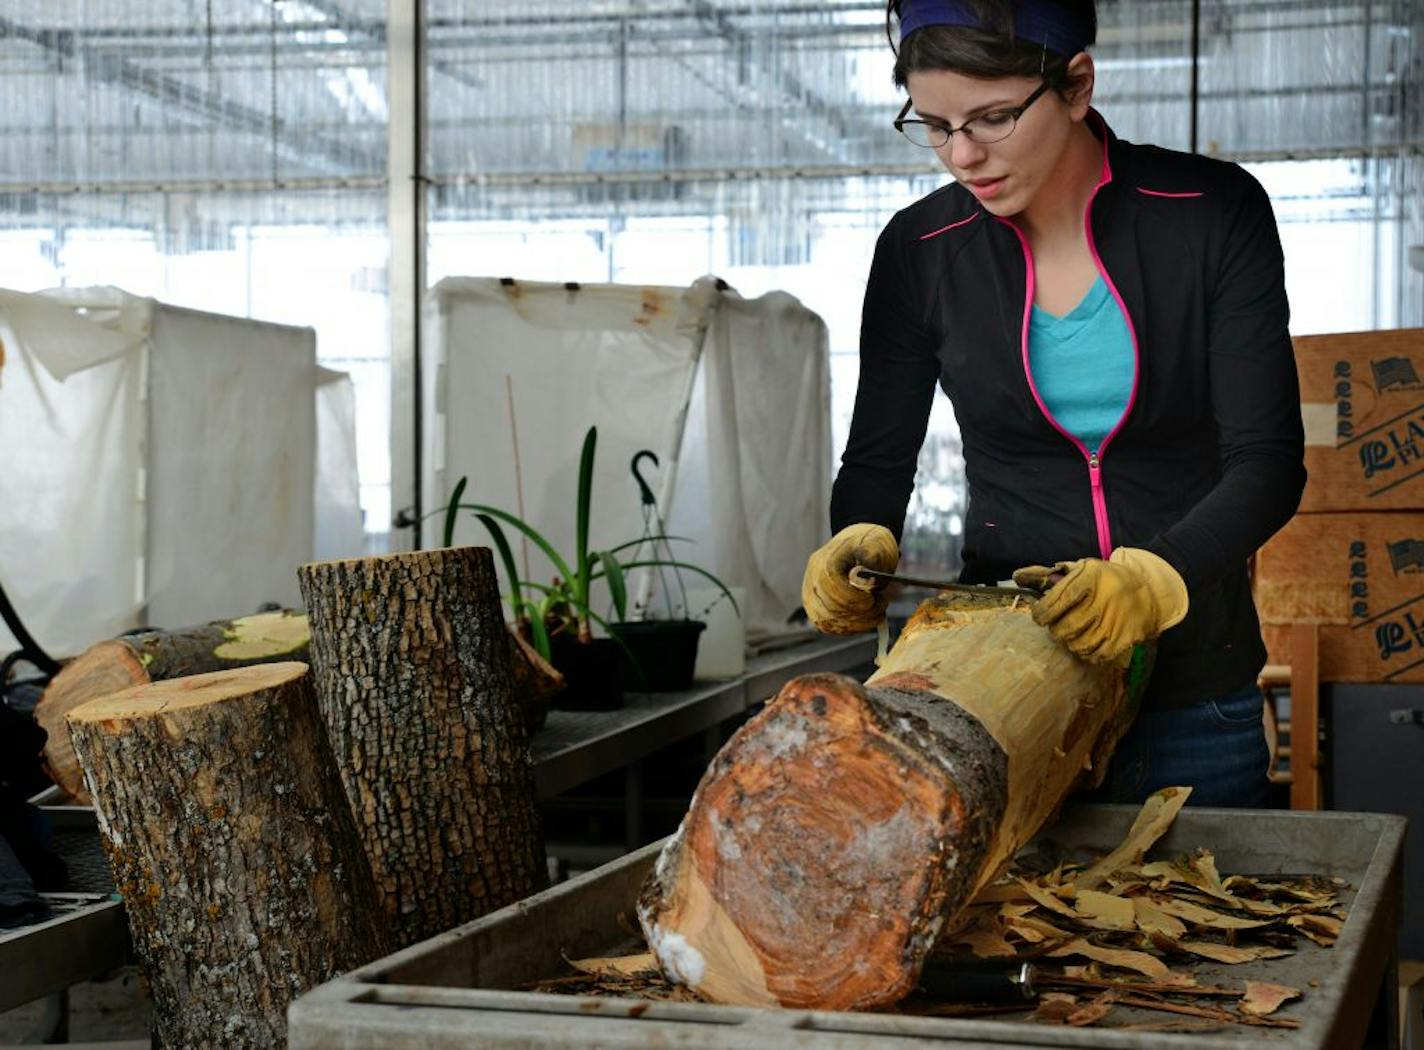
(1204, 466)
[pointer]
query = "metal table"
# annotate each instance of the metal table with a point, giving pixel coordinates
(86, 937)
(89, 935)
(457, 989)
(576, 746)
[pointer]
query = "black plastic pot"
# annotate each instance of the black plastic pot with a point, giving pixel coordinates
(593, 673)
(664, 652)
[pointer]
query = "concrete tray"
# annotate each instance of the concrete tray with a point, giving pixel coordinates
(454, 990)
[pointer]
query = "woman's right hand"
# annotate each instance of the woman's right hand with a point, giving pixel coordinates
(833, 603)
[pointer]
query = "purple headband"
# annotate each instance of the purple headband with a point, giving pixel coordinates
(1037, 21)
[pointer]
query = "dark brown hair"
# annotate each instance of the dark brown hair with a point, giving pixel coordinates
(989, 52)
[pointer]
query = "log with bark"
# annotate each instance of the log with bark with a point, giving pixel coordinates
(838, 831)
(154, 656)
(241, 870)
(411, 662)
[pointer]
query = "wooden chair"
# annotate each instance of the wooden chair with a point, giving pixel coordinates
(1302, 679)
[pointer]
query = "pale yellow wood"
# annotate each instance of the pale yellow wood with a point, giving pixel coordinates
(1056, 717)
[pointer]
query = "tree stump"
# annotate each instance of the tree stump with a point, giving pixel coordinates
(228, 832)
(154, 656)
(412, 670)
(837, 831)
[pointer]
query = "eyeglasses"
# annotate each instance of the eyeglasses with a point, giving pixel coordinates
(994, 126)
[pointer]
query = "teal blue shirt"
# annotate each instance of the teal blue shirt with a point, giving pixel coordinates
(1083, 364)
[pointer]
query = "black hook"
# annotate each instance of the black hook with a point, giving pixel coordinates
(647, 493)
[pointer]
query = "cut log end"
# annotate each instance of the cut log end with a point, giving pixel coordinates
(153, 656)
(180, 694)
(99, 670)
(819, 854)
(265, 636)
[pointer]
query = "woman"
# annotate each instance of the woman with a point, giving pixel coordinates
(1109, 321)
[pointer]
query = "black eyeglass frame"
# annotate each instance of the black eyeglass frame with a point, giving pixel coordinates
(1014, 111)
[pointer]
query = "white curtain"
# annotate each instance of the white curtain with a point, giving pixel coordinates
(163, 464)
(743, 441)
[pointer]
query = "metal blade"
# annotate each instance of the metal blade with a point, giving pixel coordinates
(861, 575)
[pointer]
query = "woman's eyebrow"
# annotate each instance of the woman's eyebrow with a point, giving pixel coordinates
(1006, 103)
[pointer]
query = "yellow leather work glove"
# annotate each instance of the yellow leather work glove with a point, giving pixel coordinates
(832, 602)
(1101, 609)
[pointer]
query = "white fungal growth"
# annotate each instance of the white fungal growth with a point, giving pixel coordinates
(727, 846)
(783, 737)
(925, 745)
(668, 852)
(899, 836)
(680, 960)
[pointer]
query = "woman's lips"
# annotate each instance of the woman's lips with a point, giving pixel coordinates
(986, 188)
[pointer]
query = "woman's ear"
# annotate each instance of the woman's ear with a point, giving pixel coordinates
(1081, 76)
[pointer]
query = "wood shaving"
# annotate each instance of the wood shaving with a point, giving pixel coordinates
(1264, 998)
(1225, 953)
(1123, 958)
(1122, 914)
(1152, 822)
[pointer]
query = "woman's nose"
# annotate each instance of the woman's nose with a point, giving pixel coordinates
(962, 151)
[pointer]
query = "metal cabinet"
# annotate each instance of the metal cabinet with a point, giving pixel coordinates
(1374, 762)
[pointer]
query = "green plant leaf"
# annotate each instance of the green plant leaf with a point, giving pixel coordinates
(452, 511)
(528, 530)
(585, 503)
(505, 554)
(540, 634)
(617, 586)
(690, 568)
(649, 539)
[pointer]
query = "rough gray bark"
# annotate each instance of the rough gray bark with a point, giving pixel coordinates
(412, 671)
(153, 656)
(242, 873)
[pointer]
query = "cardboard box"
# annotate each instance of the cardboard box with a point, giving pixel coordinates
(1361, 576)
(1344, 656)
(1362, 401)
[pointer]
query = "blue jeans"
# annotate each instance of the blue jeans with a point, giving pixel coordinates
(1217, 747)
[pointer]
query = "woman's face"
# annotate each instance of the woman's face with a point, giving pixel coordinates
(1008, 174)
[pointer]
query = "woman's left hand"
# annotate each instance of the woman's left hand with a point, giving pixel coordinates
(1101, 609)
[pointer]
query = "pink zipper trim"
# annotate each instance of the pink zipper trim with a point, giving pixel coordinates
(1164, 193)
(1095, 479)
(951, 226)
(1094, 460)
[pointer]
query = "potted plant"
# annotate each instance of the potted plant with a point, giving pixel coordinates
(558, 618)
(660, 653)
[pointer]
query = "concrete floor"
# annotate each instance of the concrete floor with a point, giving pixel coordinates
(112, 1009)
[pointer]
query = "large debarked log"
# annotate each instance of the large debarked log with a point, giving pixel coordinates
(837, 832)
(411, 662)
(228, 832)
(154, 656)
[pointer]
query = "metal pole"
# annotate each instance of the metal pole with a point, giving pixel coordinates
(405, 40)
(1373, 167)
(1196, 69)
